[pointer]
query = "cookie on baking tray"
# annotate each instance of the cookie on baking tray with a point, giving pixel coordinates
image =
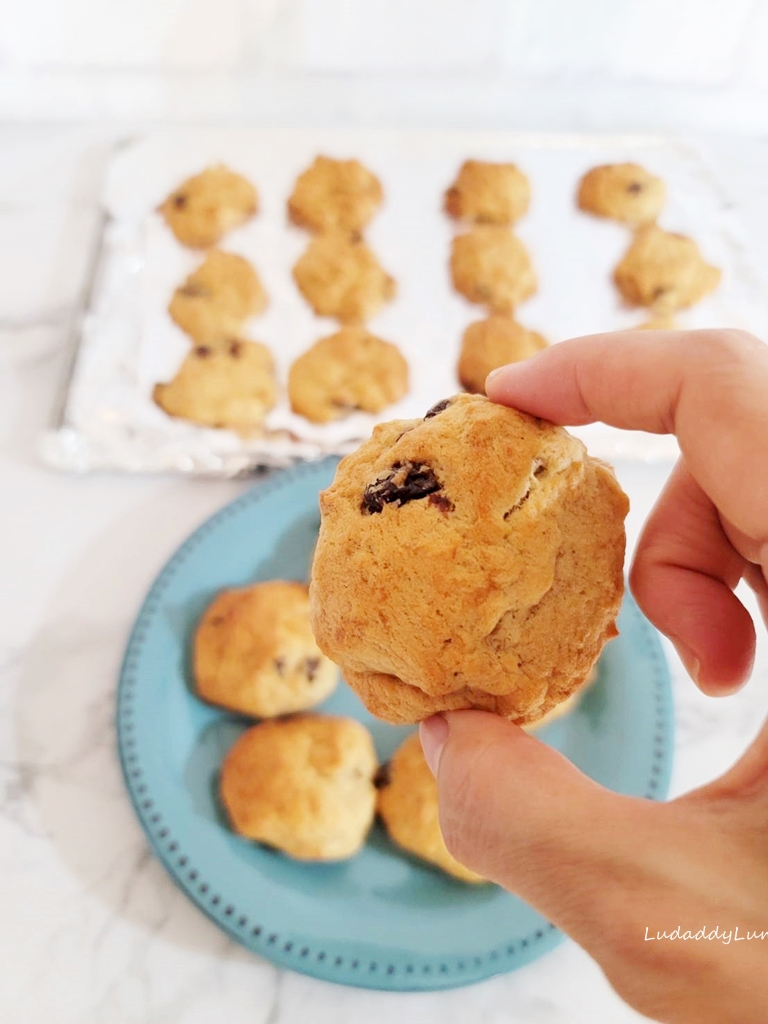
(488, 193)
(217, 298)
(229, 385)
(490, 266)
(471, 559)
(335, 195)
(340, 277)
(254, 652)
(407, 804)
(664, 271)
(208, 205)
(303, 785)
(350, 370)
(491, 343)
(623, 192)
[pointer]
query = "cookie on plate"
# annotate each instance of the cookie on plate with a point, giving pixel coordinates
(624, 192)
(488, 193)
(335, 195)
(254, 652)
(348, 371)
(303, 785)
(490, 343)
(229, 385)
(208, 205)
(665, 271)
(490, 266)
(470, 559)
(217, 298)
(340, 277)
(565, 708)
(408, 806)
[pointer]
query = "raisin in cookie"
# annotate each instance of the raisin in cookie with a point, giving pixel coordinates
(217, 298)
(490, 266)
(303, 785)
(488, 344)
(488, 193)
(664, 271)
(254, 652)
(339, 276)
(229, 385)
(335, 195)
(472, 559)
(408, 806)
(624, 192)
(350, 370)
(205, 207)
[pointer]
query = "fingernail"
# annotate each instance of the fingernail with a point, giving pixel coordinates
(433, 732)
(494, 374)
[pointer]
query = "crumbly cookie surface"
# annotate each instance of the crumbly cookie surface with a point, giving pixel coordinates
(488, 193)
(490, 343)
(664, 271)
(472, 559)
(350, 370)
(340, 277)
(490, 266)
(254, 652)
(229, 385)
(217, 298)
(408, 805)
(208, 205)
(623, 192)
(335, 195)
(303, 785)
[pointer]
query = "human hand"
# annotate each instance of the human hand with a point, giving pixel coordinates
(605, 867)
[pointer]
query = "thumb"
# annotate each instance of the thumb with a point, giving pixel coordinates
(522, 815)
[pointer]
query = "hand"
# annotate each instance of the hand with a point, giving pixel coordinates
(604, 867)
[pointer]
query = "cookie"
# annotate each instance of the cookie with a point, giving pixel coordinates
(335, 195)
(490, 266)
(254, 652)
(624, 192)
(229, 385)
(664, 271)
(562, 710)
(488, 344)
(339, 276)
(348, 371)
(657, 323)
(488, 193)
(408, 806)
(472, 559)
(217, 298)
(205, 207)
(303, 785)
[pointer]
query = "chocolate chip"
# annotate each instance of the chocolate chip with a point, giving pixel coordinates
(406, 481)
(217, 620)
(634, 187)
(279, 664)
(236, 349)
(440, 501)
(658, 292)
(195, 291)
(438, 407)
(311, 665)
(180, 201)
(539, 468)
(203, 351)
(382, 777)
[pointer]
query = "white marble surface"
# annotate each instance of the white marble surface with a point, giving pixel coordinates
(92, 931)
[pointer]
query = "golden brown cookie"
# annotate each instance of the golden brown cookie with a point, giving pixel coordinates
(664, 271)
(488, 344)
(472, 559)
(625, 192)
(562, 710)
(350, 370)
(228, 385)
(335, 195)
(340, 277)
(408, 806)
(488, 193)
(217, 298)
(303, 785)
(205, 207)
(254, 652)
(489, 265)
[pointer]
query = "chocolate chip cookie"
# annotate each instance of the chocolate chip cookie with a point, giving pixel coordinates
(488, 344)
(664, 271)
(205, 207)
(217, 298)
(490, 266)
(472, 559)
(340, 277)
(335, 195)
(488, 193)
(624, 192)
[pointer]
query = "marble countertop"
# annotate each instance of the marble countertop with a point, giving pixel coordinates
(92, 929)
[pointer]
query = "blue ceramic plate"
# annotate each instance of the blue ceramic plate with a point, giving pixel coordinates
(380, 920)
